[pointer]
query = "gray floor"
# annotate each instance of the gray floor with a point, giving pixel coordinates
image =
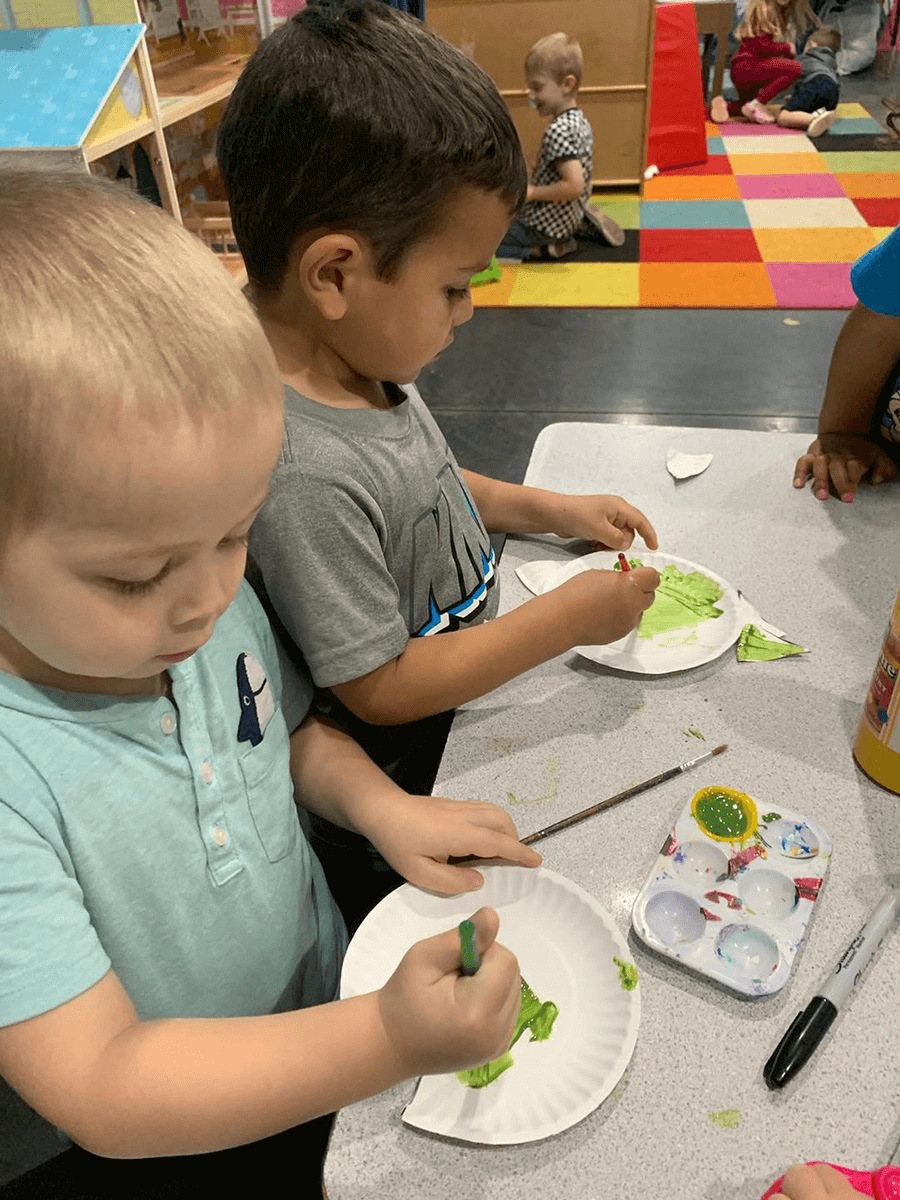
(513, 371)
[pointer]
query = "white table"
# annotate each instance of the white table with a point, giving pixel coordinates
(569, 733)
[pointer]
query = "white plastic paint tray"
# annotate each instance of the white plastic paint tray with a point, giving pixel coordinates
(733, 888)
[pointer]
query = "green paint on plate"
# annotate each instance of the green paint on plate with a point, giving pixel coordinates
(534, 1016)
(683, 599)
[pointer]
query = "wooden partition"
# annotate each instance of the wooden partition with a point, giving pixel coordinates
(616, 37)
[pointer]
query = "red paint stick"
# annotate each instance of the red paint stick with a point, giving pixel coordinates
(623, 562)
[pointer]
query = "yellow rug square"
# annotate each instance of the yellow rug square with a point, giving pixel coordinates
(692, 187)
(576, 285)
(813, 245)
(853, 110)
(778, 164)
(881, 232)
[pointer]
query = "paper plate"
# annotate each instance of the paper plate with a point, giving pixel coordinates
(666, 652)
(565, 943)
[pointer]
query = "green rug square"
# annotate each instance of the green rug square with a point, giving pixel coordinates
(624, 209)
(846, 161)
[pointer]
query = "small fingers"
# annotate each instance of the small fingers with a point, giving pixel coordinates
(802, 470)
(646, 530)
(845, 475)
(883, 468)
(821, 479)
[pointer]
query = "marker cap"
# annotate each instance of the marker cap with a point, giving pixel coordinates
(804, 1034)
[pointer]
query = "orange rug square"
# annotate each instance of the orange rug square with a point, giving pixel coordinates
(720, 285)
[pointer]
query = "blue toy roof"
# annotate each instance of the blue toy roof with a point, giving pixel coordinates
(54, 82)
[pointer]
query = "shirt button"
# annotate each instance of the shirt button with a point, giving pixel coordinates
(168, 723)
(206, 772)
(220, 837)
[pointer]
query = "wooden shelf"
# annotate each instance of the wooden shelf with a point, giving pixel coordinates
(184, 91)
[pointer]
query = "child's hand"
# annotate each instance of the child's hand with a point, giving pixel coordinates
(417, 834)
(607, 520)
(603, 606)
(841, 460)
(818, 1182)
(439, 1020)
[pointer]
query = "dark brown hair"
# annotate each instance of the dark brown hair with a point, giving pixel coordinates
(355, 116)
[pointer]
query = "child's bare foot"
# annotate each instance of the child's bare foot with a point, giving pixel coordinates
(718, 110)
(754, 111)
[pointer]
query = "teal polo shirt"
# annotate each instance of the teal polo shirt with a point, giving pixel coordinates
(161, 839)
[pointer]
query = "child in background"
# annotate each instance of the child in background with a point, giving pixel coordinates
(372, 169)
(560, 188)
(814, 98)
(859, 424)
(170, 953)
(765, 62)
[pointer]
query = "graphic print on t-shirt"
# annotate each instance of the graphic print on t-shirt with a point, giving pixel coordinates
(451, 533)
(256, 697)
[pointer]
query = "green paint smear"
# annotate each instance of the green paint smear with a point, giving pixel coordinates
(772, 816)
(534, 1016)
(754, 646)
(628, 975)
(682, 600)
(721, 815)
(694, 733)
(728, 1118)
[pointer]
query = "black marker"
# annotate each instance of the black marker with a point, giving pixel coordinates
(810, 1026)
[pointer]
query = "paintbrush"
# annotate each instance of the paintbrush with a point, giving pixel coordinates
(631, 638)
(620, 796)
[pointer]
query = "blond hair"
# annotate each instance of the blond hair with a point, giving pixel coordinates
(558, 55)
(785, 23)
(111, 311)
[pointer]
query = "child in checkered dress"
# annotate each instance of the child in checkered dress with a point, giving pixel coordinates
(560, 188)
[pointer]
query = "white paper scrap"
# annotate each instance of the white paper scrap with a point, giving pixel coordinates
(683, 466)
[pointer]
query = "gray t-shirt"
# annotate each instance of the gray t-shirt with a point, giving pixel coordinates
(370, 536)
(819, 60)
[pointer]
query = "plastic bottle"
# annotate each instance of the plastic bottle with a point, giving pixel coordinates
(877, 745)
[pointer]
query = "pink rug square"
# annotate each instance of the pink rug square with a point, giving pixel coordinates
(812, 285)
(787, 187)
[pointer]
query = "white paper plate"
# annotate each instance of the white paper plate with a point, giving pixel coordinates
(565, 943)
(666, 652)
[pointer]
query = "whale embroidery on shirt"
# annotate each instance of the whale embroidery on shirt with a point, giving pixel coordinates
(256, 697)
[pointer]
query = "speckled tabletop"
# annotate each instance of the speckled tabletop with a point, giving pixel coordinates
(569, 733)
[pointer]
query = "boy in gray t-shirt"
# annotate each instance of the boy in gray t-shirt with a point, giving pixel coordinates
(813, 100)
(372, 169)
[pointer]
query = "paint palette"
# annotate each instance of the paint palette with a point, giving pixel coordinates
(733, 889)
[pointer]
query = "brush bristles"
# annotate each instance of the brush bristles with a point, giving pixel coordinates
(721, 749)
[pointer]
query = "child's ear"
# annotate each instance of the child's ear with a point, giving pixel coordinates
(570, 84)
(328, 269)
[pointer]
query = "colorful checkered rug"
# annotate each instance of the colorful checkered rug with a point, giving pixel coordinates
(771, 220)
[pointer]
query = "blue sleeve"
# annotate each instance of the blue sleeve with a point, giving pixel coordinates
(50, 950)
(876, 277)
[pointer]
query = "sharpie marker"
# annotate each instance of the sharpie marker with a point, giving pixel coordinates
(810, 1026)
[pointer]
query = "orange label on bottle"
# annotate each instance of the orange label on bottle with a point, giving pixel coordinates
(883, 700)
